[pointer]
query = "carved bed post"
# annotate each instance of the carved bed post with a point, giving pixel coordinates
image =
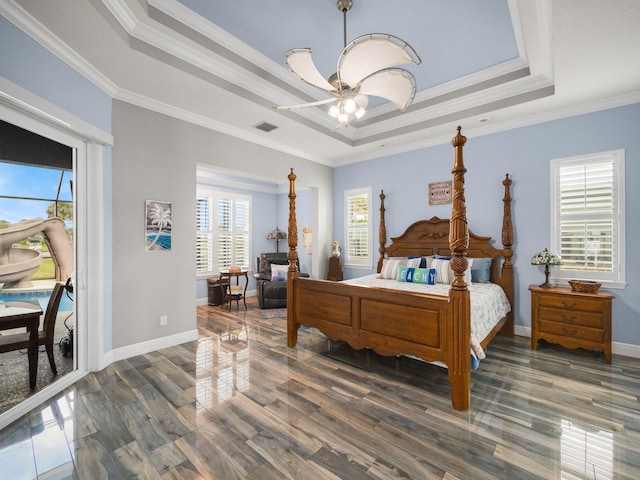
(382, 231)
(459, 299)
(292, 257)
(506, 275)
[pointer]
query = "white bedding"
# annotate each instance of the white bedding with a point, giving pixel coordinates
(489, 303)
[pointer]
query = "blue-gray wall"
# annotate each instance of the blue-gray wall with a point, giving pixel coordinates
(27, 63)
(525, 154)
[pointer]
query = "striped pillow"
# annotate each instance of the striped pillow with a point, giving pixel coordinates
(444, 273)
(442, 269)
(390, 266)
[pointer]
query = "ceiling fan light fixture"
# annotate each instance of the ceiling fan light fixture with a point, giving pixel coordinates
(350, 105)
(365, 67)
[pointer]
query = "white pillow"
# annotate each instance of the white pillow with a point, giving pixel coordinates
(442, 270)
(444, 273)
(390, 266)
(279, 272)
(413, 262)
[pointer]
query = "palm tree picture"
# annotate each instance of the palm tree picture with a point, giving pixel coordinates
(158, 225)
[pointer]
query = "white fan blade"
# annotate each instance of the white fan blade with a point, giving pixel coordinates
(369, 53)
(394, 84)
(300, 63)
(305, 105)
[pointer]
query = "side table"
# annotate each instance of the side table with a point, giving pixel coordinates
(571, 319)
(235, 292)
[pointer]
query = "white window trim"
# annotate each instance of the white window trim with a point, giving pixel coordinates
(558, 275)
(211, 193)
(347, 261)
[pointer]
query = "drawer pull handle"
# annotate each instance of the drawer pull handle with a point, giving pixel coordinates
(571, 332)
(570, 319)
(569, 304)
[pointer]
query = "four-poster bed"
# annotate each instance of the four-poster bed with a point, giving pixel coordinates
(432, 327)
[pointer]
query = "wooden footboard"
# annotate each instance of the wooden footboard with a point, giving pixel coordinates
(391, 322)
(387, 321)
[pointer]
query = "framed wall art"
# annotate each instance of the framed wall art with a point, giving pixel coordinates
(158, 223)
(440, 193)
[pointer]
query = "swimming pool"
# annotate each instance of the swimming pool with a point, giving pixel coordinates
(66, 303)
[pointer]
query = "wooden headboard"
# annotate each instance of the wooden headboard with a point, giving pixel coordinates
(432, 237)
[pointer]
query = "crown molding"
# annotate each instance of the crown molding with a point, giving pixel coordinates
(206, 122)
(25, 22)
(499, 127)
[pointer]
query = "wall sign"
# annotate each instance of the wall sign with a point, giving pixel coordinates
(440, 193)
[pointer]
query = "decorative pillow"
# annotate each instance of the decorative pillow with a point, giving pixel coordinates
(279, 272)
(444, 273)
(442, 269)
(425, 262)
(414, 262)
(481, 270)
(390, 266)
(425, 275)
(405, 274)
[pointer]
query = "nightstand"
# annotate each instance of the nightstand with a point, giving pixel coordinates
(571, 319)
(335, 269)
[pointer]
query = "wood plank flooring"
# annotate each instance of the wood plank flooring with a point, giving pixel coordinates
(239, 404)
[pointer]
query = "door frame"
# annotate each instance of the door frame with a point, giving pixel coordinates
(92, 293)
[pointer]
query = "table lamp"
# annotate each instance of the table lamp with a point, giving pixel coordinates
(276, 235)
(546, 258)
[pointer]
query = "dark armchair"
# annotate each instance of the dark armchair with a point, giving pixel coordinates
(272, 294)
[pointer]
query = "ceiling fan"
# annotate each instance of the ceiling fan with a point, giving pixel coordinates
(365, 68)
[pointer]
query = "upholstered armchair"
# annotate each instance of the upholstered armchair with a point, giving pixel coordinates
(271, 280)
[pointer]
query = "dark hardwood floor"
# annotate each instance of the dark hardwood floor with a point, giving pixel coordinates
(239, 404)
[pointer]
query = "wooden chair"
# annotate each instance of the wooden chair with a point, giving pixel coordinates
(19, 341)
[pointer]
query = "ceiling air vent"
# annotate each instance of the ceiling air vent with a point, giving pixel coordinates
(265, 127)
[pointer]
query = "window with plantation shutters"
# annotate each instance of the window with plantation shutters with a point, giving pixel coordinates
(204, 236)
(356, 251)
(223, 231)
(587, 211)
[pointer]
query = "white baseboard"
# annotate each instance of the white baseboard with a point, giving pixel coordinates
(148, 346)
(617, 348)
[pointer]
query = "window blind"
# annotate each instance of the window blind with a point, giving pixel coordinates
(223, 231)
(204, 236)
(358, 228)
(586, 216)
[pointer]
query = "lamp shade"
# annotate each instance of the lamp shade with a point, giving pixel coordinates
(546, 258)
(277, 234)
